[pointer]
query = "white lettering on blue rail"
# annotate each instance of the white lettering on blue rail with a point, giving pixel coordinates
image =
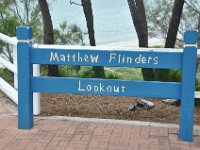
(140, 59)
(113, 58)
(73, 57)
(100, 88)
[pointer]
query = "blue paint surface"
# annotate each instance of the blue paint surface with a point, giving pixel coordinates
(187, 94)
(191, 37)
(24, 33)
(116, 58)
(106, 87)
(27, 84)
(25, 71)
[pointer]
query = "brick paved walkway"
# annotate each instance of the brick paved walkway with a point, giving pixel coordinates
(69, 135)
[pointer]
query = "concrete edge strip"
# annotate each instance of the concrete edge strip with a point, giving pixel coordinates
(108, 121)
(113, 121)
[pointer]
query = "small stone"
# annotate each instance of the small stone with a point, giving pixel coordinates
(140, 104)
(148, 103)
(170, 101)
(132, 106)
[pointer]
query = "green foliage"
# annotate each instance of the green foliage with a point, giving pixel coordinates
(8, 24)
(67, 71)
(175, 75)
(6, 74)
(197, 87)
(158, 14)
(28, 13)
(112, 76)
(167, 75)
(68, 34)
(125, 73)
(198, 74)
(11, 15)
(87, 72)
(111, 73)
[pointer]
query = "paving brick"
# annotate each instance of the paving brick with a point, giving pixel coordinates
(179, 146)
(114, 147)
(63, 143)
(157, 133)
(133, 147)
(53, 143)
(196, 142)
(173, 137)
(143, 147)
(144, 134)
(163, 142)
(103, 145)
(173, 131)
(55, 148)
(93, 145)
(160, 147)
(145, 128)
(86, 137)
(71, 135)
(139, 141)
(10, 147)
(4, 110)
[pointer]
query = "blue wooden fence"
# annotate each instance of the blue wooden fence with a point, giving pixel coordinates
(185, 61)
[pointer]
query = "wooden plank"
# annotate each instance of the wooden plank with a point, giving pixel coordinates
(188, 86)
(106, 87)
(25, 71)
(115, 58)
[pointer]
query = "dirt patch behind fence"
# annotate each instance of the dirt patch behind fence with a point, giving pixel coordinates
(109, 107)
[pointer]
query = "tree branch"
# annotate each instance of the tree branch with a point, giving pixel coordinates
(192, 7)
(17, 12)
(71, 3)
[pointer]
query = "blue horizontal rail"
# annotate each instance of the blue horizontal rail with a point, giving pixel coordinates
(114, 58)
(59, 55)
(106, 87)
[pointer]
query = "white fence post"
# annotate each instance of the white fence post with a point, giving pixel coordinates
(36, 96)
(15, 64)
(36, 72)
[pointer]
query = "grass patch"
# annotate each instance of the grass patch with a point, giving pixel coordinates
(198, 73)
(6, 74)
(125, 73)
(111, 73)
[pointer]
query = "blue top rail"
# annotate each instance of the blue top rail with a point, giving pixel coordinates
(103, 57)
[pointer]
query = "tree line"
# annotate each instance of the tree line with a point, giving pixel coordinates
(167, 19)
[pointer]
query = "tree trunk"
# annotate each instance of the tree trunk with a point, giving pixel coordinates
(163, 74)
(139, 20)
(48, 33)
(174, 24)
(87, 9)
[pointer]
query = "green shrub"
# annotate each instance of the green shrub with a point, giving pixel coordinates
(112, 76)
(167, 75)
(87, 72)
(6, 74)
(43, 70)
(197, 87)
(175, 76)
(67, 71)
